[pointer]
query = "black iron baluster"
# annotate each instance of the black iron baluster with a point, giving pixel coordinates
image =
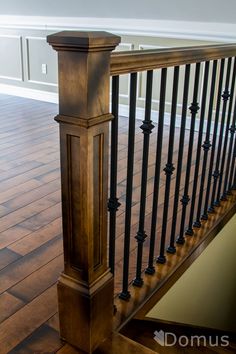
(113, 203)
(216, 174)
(207, 144)
(150, 269)
(223, 159)
(146, 127)
(220, 83)
(232, 172)
(189, 231)
(232, 130)
(194, 110)
(234, 180)
(171, 248)
(169, 168)
(125, 294)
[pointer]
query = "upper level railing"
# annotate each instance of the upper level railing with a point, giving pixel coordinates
(139, 60)
(174, 174)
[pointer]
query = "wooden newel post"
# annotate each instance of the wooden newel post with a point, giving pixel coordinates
(85, 288)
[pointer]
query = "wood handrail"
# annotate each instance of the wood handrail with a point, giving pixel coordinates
(140, 60)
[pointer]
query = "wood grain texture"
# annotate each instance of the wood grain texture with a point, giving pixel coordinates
(20, 325)
(86, 283)
(134, 61)
(142, 331)
(35, 235)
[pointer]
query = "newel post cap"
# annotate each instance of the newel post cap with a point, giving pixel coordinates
(84, 41)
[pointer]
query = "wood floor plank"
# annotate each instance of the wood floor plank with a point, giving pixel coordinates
(38, 281)
(43, 340)
(43, 218)
(31, 262)
(9, 304)
(24, 213)
(12, 234)
(7, 256)
(20, 325)
(54, 322)
(27, 176)
(67, 349)
(21, 169)
(3, 210)
(35, 239)
(19, 189)
(35, 194)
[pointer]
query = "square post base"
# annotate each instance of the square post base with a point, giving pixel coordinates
(85, 313)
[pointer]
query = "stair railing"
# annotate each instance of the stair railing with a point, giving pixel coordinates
(199, 173)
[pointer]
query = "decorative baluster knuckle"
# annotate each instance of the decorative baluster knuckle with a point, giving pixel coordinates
(206, 145)
(147, 127)
(194, 108)
(169, 169)
(225, 95)
(113, 204)
(232, 129)
(185, 200)
(141, 236)
(216, 174)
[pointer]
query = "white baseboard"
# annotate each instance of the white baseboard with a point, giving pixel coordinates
(29, 93)
(206, 31)
(51, 97)
(140, 112)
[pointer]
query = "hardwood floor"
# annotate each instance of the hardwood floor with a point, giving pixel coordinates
(30, 229)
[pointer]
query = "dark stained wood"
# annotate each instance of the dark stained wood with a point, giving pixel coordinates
(86, 284)
(43, 340)
(21, 324)
(119, 344)
(142, 331)
(36, 237)
(9, 304)
(23, 267)
(7, 256)
(134, 61)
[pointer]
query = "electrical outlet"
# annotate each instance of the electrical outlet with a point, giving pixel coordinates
(44, 69)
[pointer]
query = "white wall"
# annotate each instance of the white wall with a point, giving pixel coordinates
(186, 10)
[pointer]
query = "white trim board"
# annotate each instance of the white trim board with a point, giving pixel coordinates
(29, 93)
(123, 109)
(207, 31)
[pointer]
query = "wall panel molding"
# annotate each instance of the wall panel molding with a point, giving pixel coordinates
(17, 57)
(30, 63)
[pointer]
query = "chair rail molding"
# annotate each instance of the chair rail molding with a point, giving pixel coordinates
(209, 31)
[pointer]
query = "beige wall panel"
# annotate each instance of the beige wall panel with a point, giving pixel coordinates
(39, 53)
(11, 57)
(124, 79)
